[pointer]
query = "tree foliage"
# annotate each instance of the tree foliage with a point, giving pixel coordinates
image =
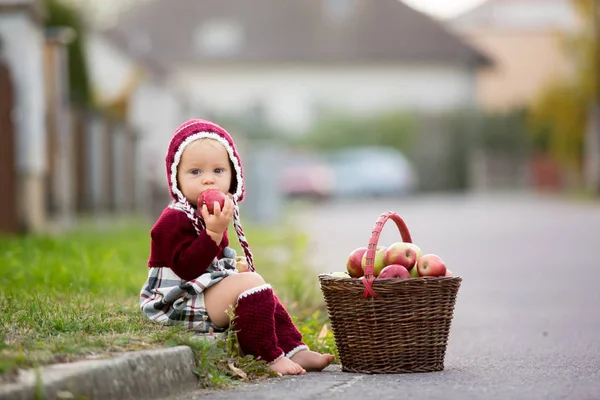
(558, 116)
(60, 14)
(392, 129)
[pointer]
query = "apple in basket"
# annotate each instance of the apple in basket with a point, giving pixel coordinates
(394, 271)
(414, 271)
(209, 197)
(401, 253)
(340, 274)
(353, 264)
(431, 265)
(378, 262)
(417, 249)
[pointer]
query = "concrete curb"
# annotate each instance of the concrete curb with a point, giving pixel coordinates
(147, 374)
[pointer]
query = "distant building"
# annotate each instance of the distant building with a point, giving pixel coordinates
(287, 61)
(139, 88)
(22, 38)
(523, 38)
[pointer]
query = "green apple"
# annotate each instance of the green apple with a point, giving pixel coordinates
(414, 273)
(378, 262)
(340, 274)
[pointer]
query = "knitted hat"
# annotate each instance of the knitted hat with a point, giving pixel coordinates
(187, 133)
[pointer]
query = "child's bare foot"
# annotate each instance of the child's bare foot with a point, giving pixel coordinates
(312, 361)
(286, 366)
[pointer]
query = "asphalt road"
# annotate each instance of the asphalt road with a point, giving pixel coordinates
(527, 318)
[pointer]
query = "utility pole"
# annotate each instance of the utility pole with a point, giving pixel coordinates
(592, 134)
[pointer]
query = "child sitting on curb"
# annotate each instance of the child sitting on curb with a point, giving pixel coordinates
(192, 276)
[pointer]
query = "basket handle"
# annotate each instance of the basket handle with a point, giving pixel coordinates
(368, 277)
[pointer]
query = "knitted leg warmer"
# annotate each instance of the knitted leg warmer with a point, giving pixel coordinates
(255, 324)
(288, 336)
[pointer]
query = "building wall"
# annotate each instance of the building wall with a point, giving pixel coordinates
(23, 50)
(290, 96)
(523, 39)
(524, 64)
(518, 15)
(23, 43)
(155, 111)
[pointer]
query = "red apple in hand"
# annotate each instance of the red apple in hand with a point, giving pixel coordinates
(209, 197)
(378, 262)
(353, 264)
(394, 271)
(431, 265)
(401, 253)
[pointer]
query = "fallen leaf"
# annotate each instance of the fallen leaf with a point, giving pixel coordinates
(237, 371)
(322, 334)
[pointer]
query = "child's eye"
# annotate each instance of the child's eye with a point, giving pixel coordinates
(219, 170)
(195, 172)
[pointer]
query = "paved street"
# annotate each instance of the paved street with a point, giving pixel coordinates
(527, 319)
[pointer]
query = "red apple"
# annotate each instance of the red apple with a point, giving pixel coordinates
(416, 248)
(353, 264)
(394, 271)
(209, 197)
(401, 253)
(378, 262)
(431, 265)
(448, 273)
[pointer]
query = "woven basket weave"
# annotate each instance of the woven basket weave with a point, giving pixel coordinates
(390, 325)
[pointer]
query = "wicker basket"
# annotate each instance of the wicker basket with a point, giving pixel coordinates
(390, 325)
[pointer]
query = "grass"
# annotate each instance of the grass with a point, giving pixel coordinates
(75, 295)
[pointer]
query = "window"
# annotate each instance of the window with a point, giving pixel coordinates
(218, 38)
(339, 10)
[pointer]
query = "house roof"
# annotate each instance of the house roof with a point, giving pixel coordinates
(193, 31)
(149, 60)
(33, 6)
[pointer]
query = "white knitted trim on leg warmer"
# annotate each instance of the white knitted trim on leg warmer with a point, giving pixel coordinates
(295, 350)
(254, 290)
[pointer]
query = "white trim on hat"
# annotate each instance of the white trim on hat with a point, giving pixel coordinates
(210, 135)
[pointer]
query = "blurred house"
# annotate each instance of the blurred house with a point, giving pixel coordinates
(287, 61)
(60, 158)
(523, 39)
(22, 113)
(136, 87)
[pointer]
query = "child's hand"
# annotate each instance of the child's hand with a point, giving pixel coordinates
(241, 264)
(217, 223)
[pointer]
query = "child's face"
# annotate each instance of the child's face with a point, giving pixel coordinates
(204, 165)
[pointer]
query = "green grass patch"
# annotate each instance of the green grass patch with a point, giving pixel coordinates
(75, 296)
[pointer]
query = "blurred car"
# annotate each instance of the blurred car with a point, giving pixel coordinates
(306, 175)
(372, 171)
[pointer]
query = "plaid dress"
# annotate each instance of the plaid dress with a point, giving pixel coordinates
(168, 299)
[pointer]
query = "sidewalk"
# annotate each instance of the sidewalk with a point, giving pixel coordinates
(147, 374)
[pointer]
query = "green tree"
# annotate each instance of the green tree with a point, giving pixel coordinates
(338, 130)
(558, 116)
(60, 14)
